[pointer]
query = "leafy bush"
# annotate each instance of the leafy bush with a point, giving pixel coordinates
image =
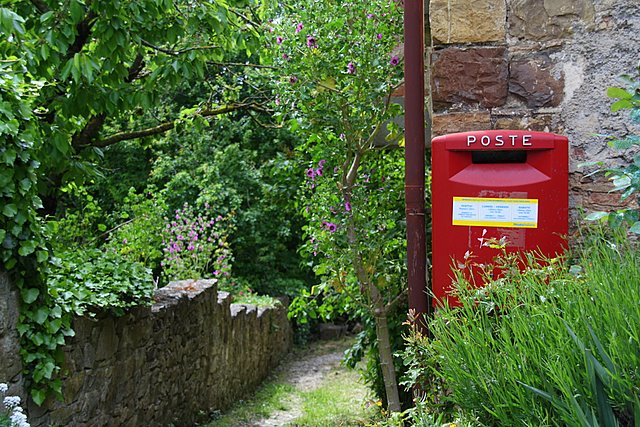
(91, 280)
(138, 237)
(521, 332)
(231, 167)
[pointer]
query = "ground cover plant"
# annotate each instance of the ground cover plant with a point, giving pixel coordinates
(557, 343)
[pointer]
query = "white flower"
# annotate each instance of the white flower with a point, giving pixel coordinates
(11, 401)
(19, 419)
(4, 387)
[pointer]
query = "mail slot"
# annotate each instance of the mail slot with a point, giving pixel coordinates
(509, 186)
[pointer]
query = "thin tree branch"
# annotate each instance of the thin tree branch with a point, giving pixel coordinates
(241, 64)
(163, 127)
(175, 52)
(391, 304)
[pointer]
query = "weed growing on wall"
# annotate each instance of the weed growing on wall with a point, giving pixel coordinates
(625, 179)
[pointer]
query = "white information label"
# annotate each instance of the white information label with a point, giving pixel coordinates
(495, 212)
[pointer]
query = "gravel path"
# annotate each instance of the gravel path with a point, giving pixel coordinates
(305, 371)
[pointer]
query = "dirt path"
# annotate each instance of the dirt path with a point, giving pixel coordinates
(305, 372)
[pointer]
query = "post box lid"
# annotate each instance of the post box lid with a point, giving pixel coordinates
(499, 140)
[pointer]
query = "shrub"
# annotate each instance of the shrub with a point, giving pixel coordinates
(83, 282)
(522, 350)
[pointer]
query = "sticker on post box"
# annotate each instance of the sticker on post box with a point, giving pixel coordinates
(495, 212)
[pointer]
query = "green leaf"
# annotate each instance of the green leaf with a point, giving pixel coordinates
(42, 256)
(620, 105)
(10, 210)
(594, 216)
(29, 295)
(27, 247)
(635, 228)
(38, 395)
(41, 315)
(76, 10)
(616, 92)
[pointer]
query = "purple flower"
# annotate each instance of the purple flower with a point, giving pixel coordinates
(319, 172)
(379, 36)
(180, 237)
(285, 56)
(299, 27)
(279, 39)
(332, 227)
(321, 163)
(311, 42)
(394, 60)
(190, 247)
(347, 206)
(351, 68)
(293, 79)
(369, 15)
(311, 173)
(125, 241)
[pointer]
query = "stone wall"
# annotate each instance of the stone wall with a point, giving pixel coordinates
(538, 65)
(10, 362)
(192, 353)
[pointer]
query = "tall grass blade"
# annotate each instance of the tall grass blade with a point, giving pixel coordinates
(605, 412)
(603, 354)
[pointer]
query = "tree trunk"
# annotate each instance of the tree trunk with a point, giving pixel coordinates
(384, 350)
(376, 301)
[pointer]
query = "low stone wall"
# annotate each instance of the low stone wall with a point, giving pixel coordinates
(192, 353)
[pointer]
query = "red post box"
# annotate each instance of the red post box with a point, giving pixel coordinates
(498, 184)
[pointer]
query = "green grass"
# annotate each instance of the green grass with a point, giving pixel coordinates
(271, 397)
(337, 402)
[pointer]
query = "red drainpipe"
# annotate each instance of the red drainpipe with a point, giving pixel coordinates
(415, 155)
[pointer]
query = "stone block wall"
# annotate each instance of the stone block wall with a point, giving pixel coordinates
(537, 65)
(192, 353)
(10, 361)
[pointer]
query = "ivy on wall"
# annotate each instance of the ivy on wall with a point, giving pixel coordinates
(42, 325)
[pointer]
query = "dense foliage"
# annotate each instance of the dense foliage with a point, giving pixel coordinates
(74, 78)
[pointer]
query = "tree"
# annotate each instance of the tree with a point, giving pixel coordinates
(104, 62)
(339, 65)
